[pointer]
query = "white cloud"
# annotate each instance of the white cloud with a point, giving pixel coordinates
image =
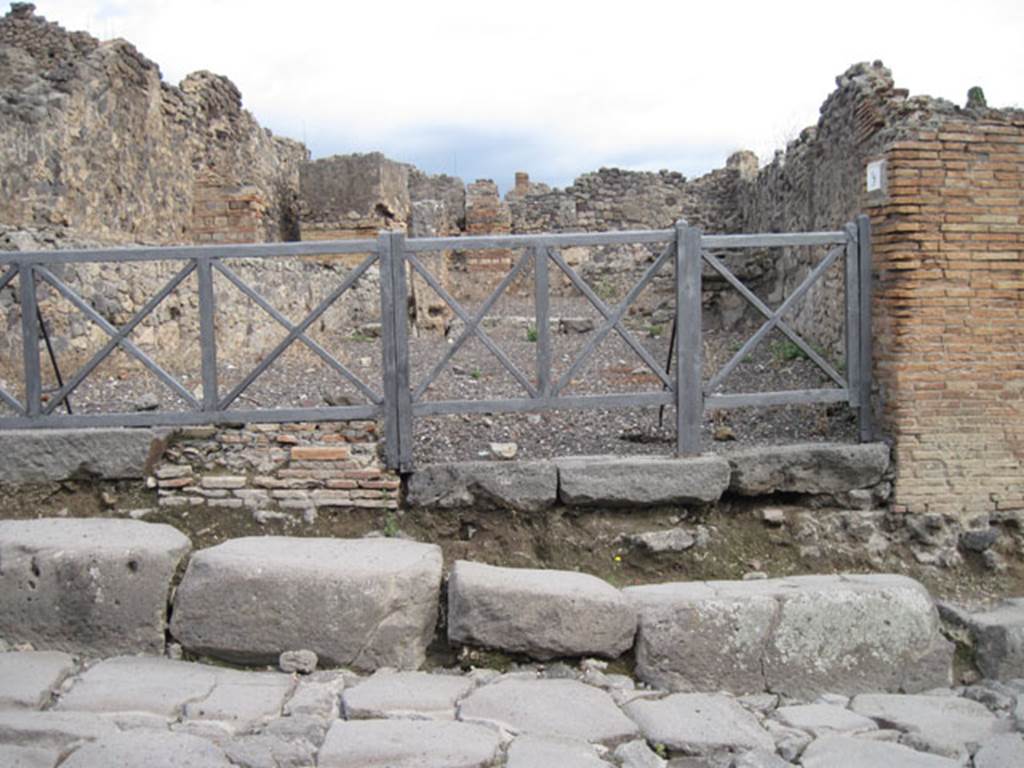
(574, 84)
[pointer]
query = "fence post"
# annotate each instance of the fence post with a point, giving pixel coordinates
(865, 423)
(543, 317)
(689, 394)
(852, 302)
(394, 318)
(30, 339)
(208, 333)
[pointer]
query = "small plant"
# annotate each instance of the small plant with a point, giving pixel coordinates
(531, 334)
(654, 330)
(475, 374)
(786, 351)
(661, 751)
(391, 529)
(360, 338)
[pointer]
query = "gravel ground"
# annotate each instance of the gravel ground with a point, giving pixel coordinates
(301, 379)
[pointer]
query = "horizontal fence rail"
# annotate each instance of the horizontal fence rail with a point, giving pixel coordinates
(395, 398)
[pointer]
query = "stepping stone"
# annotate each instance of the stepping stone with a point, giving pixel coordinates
(363, 603)
(28, 678)
(614, 481)
(408, 744)
(524, 486)
(548, 751)
(1000, 751)
(946, 723)
(149, 748)
(797, 636)
(999, 639)
(94, 586)
(564, 708)
(699, 724)
(824, 719)
(850, 752)
(27, 757)
(405, 695)
(52, 730)
(808, 468)
(541, 613)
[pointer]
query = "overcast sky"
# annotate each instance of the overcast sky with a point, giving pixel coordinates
(481, 89)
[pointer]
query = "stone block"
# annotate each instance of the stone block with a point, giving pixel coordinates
(999, 639)
(545, 751)
(850, 752)
(52, 455)
(96, 586)
(699, 724)
(418, 695)
(615, 481)
(526, 486)
(408, 744)
(816, 468)
(27, 679)
(798, 636)
(365, 603)
(150, 748)
(542, 613)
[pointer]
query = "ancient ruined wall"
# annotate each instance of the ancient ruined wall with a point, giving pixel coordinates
(92, 139)
(949, 310)
(345, 196)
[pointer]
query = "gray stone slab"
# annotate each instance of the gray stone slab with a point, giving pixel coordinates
(614, 481)
(797, 636)
(547, 751)
(51, 730)
(148, 748)
(242, 700)
(525, 486)
(27, 757)
(947, 724)
(824, 719)
(27, 679)
(364, 603)
(95, 586)
(759, 758)
(999, 639)
(542, 613)
(405, 695)
(699, 724)
(819, 468)
(152, 685)
(318, 697)
(407, 744)
(851, 752)
(637, 754)
(1000, 751)
(52, 455)
(263, 751)
(564, 708)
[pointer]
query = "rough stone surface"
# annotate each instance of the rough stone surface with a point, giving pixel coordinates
(945, 723)
(563, 708)
(798, 636)
(52, 455)
(849, 752)
(818, 468)
(699, 724)
(302, 662)
(150, 748)
(999, 639)
(241, 700)
(622, 481)
(93, 586)
(27, 679)
(27, 757)
(546, 751)
(1000, 751)
(51, 730)
(526, 486)
(636, 754)
(823, 719)
(365, 603)
(542, 613)
(405, 694)
(407, 744)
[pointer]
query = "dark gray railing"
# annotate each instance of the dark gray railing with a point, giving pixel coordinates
(399, 400)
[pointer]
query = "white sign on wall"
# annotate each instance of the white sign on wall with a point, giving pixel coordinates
(875, 176)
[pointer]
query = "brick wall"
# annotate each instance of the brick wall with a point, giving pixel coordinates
(224, 213)
(949, 313)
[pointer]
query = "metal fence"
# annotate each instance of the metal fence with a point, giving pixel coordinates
(398, 401)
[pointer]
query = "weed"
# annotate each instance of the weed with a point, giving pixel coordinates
(391, 529)
(785, 351)
(475, 374)
(360, 338)
(655, 330)
(531, 334)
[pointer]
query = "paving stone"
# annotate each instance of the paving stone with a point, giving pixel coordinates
(96, 586)
(796, 636)
(52, 455)
(818, 468)
(242, 699)
(525, 486)
(317, 697)
(612, 481)
(262, 751)
(946, 723)
(546, 751)
(699, 724)
(823, 719)
(636, 754)
(999, 639)
(51, 730)
(148, 748)
(549, 707)
(28, 678)
(850, 752)
(789, 742)
(366, 603)
(407, 744)
(153, 685)
(759, 758)
(27, 757)
(405, 694)
(1000, 751)
(542, 613)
